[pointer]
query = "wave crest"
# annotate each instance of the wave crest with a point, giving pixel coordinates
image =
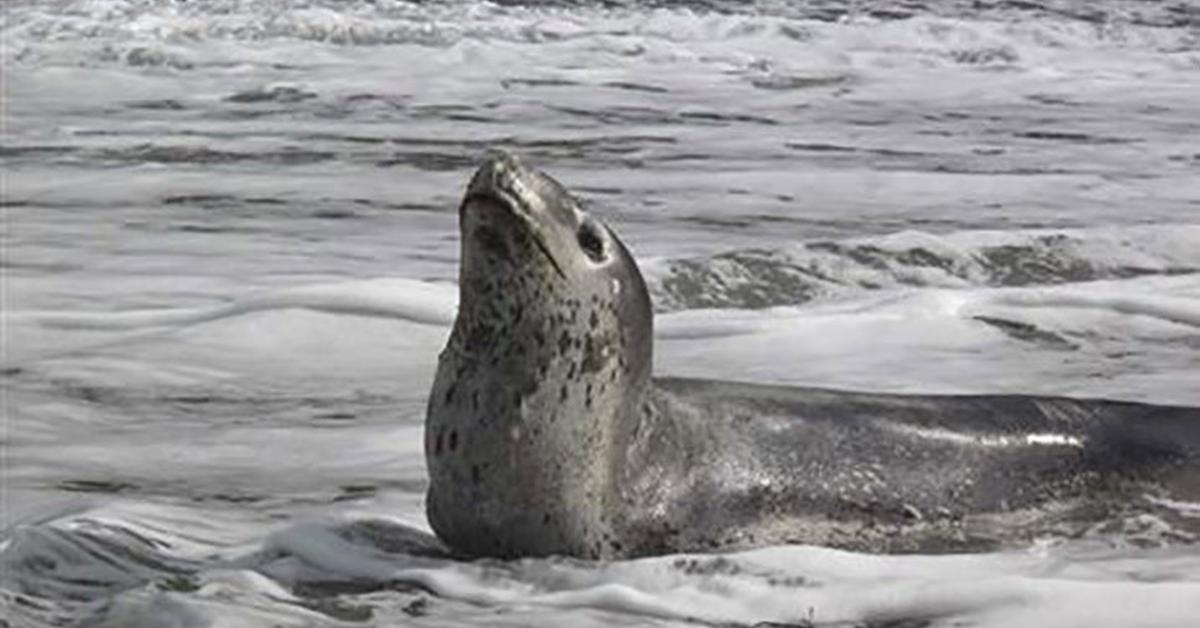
(757, 278)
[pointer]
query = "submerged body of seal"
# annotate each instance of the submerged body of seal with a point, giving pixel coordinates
(545, 433)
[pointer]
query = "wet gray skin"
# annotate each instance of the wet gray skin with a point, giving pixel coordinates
(545, 433)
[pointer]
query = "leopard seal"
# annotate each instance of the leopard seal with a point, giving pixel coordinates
(546, 434)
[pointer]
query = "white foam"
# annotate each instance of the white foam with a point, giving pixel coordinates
(1071, 339)
(1185, 311)
(792, 584)
(914, 340)
(403, 299)
(781, 584)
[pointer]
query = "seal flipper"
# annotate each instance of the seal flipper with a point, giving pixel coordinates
(883, 472)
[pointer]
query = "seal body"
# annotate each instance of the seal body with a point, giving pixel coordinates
(545, 433)
(549, 353)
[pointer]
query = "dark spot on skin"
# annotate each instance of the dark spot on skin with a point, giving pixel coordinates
(562, 394)
(593, 354)
(516, 401)
(594, 320)
(437, 443)
(587, 402)
(571, 371)
(616, 545)
(564, 342)
(475, 473)
(539, 338)
(453, 440)
(546, 519)
(475, 399)
(450, 392)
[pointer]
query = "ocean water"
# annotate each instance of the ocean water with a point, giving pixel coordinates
(230, 246)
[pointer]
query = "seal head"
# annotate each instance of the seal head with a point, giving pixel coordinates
(550, 349)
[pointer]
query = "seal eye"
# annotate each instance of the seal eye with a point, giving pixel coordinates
(591, 242)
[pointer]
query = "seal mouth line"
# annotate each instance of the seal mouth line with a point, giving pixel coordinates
(537, 239)
(514, 206)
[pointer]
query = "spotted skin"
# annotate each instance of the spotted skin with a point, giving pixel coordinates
(545, 433)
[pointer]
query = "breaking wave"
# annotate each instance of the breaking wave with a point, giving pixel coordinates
(99, 565)
(758, 278)
(164, 34)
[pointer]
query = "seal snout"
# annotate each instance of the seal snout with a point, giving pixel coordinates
(499, 178)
